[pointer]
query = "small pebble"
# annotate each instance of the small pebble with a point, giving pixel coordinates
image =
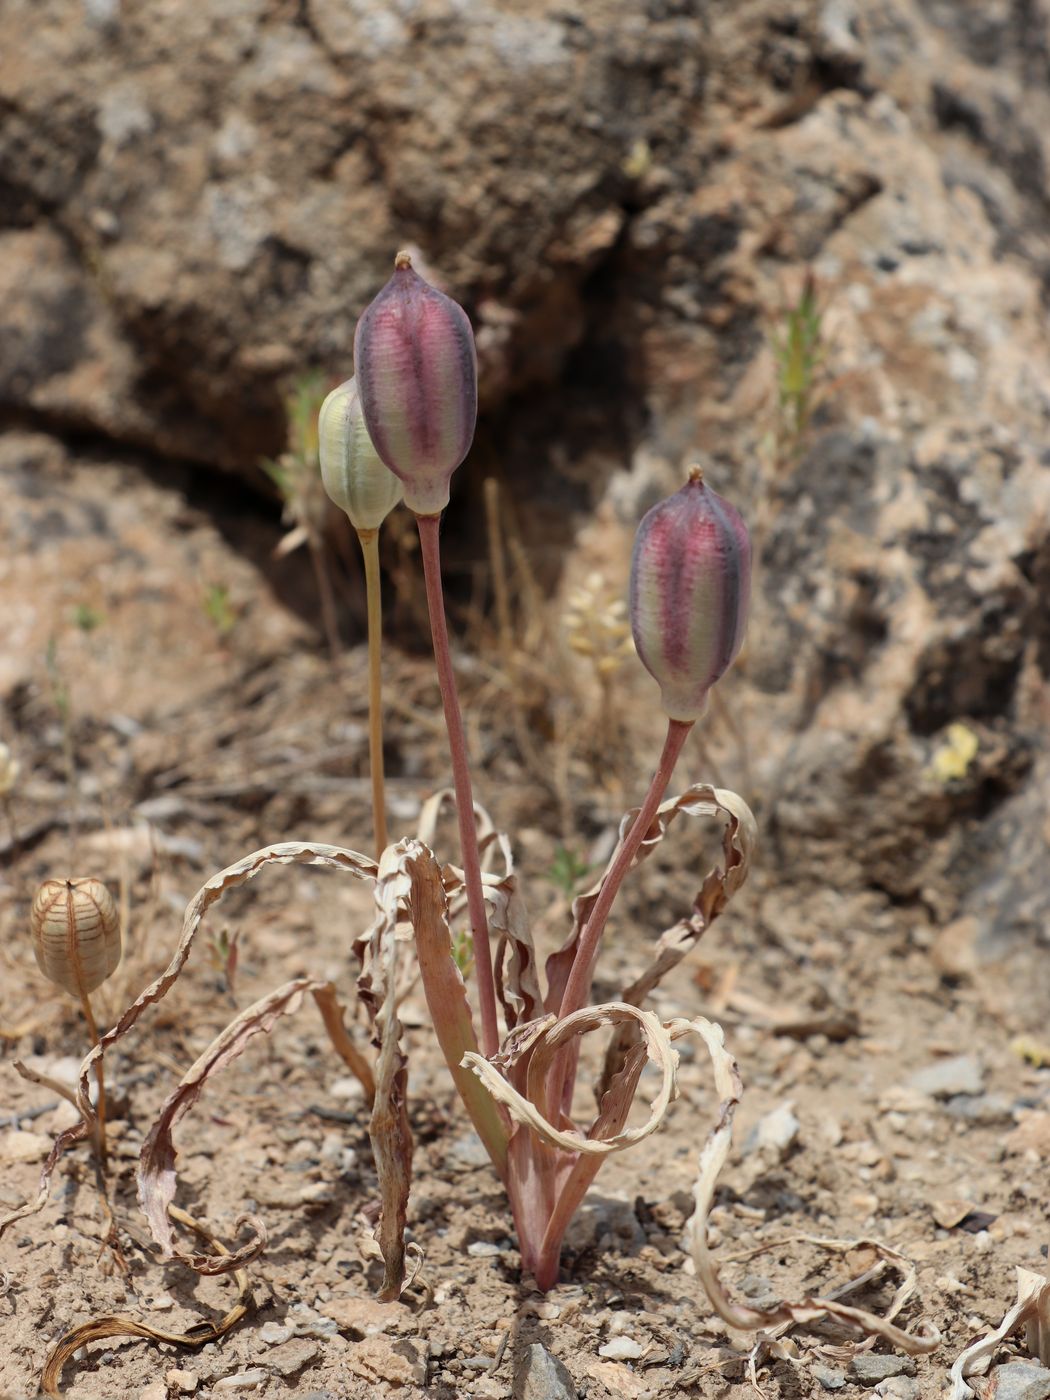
(483, 1249)
(621, 1349)
(962, 1074)
(185, 1382)
(541, 1376)
(775, 1131)
(828, 1377)
(273, 1333)
(899, 1388)
(1022, 1380)
(348, 1089)
(243, 1380)
(869, 1368)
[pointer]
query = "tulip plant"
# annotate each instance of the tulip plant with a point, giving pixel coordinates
(416, 373)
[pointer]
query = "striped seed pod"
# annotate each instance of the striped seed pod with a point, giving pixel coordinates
(353, 473)
(76, 933)
(690, 585)
(417, 377)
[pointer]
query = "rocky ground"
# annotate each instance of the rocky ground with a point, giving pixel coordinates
(194, 206)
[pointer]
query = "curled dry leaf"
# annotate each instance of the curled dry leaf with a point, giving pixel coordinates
(388, 1128)
(285, 853)
(1031, 1311)
(719, 886)
(810, 1309)
(122, 1325)
(156, 1174)
(542, 1042)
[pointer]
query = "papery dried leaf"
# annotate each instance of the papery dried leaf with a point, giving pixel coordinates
(700, 800)
(1033, 1299)
(417, 884)
(388, 1129)
(156, 1173)
(514, 964)
(122, 1325)
(718, 887)
(712, 1158)
(285, 853)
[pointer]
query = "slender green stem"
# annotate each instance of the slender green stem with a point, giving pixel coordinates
(578, 985)
(468, 838)
(370, 549)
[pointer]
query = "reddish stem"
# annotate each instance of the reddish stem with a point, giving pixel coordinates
(457, 742)
(578, 987)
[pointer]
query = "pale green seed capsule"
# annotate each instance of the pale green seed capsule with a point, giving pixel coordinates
(352, 471)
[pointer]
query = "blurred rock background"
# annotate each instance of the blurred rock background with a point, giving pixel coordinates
(630, 197)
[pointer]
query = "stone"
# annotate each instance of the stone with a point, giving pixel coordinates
(605, 1219)
(988, 1109)
(156, 1390)
(1021, 1380)
(273, 1333)
(19, 1145)
(469, 1151)
(484, 1249)
(184, 1381)
(242, 1381)
(621, 1349)
(828, 1376)
(291, 1357)
(870, 1367)
(361, 1317)
(900, 1388)
(775, 1132)
(539, 1375)
(377, 1358)
(961, 1074)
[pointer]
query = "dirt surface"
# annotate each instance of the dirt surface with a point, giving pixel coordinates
(196, 737)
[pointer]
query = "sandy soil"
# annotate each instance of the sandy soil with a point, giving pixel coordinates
(196, 739)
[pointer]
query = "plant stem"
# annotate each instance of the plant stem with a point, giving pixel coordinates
(85, 1002)
(578, 986)
(370, 549)
(468, 838)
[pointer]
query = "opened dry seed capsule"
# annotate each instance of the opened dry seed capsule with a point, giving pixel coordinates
(690, 587)
(76, 933)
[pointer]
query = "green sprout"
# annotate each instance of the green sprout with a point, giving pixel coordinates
(567, 869)
(799, 349)
(87, 618)
(463, 952)
(218, 609)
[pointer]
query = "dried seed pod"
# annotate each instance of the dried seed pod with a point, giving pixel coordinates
(76, 933)
(690, 586)
(417, 375)
(352, 470)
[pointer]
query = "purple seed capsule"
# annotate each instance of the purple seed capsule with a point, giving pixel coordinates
(690, 586)
(417, 377)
